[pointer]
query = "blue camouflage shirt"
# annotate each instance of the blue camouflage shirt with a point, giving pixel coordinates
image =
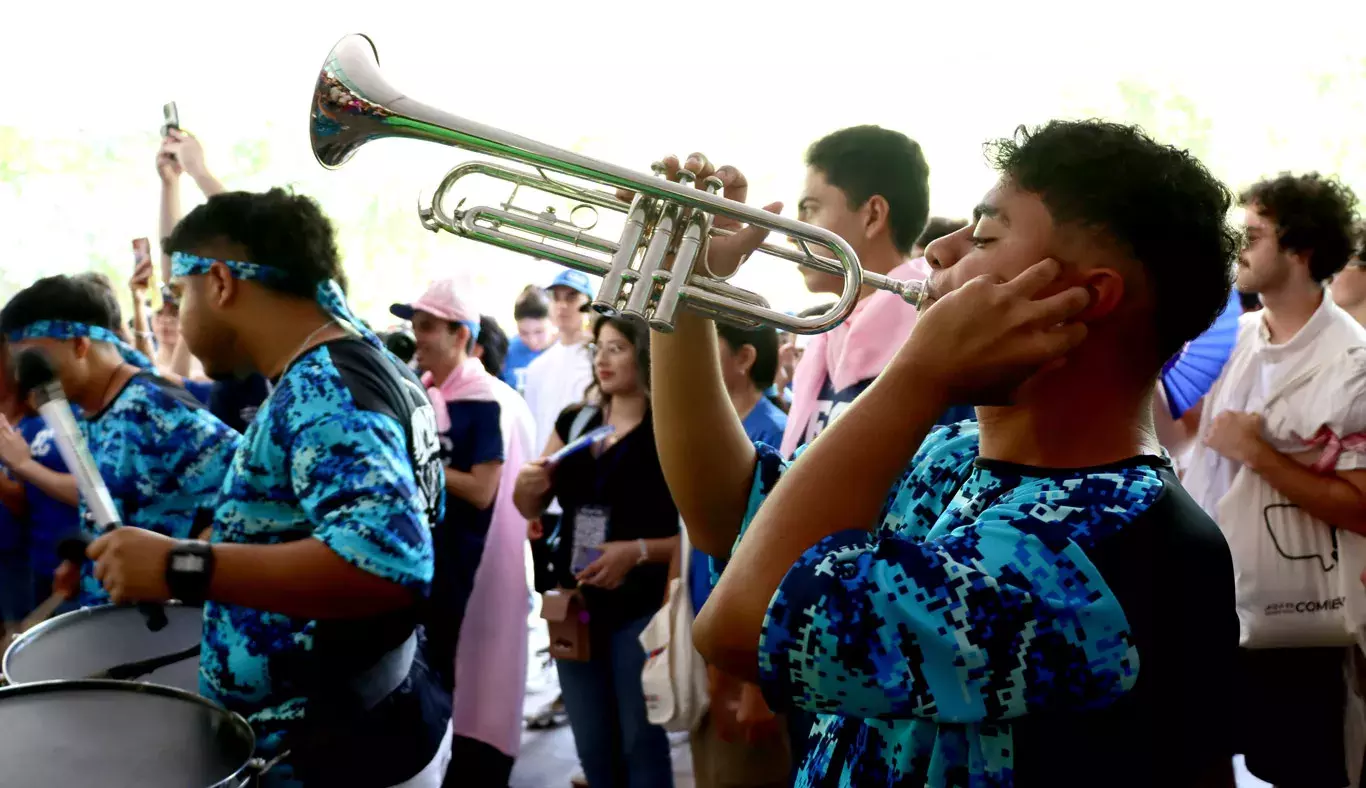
(990, 630)
(163, 458)
(328, 457)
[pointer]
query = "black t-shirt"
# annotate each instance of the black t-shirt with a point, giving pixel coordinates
(627, 481)
(235, 401)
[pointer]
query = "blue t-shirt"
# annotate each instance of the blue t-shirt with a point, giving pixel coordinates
(991, 628)
(200, 390)
(474, 437)
(50, 520)
(514, 366)
(162, 456)
(344, 451)
(764, 424)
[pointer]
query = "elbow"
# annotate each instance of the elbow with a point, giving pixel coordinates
(714, 638)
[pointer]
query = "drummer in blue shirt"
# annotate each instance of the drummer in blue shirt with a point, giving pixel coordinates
(162, 455)
(321, 559)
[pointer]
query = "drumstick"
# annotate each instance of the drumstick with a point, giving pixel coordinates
(42, 612)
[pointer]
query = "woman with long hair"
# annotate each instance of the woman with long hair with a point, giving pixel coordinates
(620, 529)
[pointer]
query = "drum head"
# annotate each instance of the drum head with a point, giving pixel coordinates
(84, 642)
(119, 735)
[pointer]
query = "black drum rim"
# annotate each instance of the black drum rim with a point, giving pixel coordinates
(52, 624)
(246, 770)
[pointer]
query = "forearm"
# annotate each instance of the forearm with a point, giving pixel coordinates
(839, 483)
(167, 219)
(707, 459)
(302, 579)
(1324, 496)
(660, 551)
(207, 183)
(142, 328)
(530, 505)
(61, 486)
(1174, 434)
(472, 487)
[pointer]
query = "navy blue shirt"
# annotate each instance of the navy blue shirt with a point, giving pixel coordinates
(49, 520)
(473, 438)
(235, 402)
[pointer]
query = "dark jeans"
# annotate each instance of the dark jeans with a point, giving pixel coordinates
(617, 745)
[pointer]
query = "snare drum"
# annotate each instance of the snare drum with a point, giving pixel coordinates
(82, 643)
(120, 734)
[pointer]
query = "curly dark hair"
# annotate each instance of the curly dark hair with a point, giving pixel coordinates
(863, 161)
(1159, 203)
(75, 299)
(1314, 215)
(280, 229)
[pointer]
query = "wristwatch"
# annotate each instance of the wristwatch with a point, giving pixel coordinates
(188, 569)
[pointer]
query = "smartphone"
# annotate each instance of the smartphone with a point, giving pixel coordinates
(170, 118)
(142, 252)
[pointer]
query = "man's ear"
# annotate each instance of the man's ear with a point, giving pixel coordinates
(1106, 287)
(220, 286)
(876, 216)
(746, 356)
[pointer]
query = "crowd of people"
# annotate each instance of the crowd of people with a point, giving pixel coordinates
(973, 543)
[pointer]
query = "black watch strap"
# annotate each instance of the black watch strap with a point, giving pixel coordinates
(188, 569)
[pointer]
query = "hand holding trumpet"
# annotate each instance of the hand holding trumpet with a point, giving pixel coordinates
(724, 254)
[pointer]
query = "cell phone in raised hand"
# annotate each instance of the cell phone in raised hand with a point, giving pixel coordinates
(170, 118)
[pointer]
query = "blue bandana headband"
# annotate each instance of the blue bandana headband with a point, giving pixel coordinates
(63, 329)
(329, 294)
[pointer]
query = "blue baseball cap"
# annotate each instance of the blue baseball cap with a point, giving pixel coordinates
(574, 280)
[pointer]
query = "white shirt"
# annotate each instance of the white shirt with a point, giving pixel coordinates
(1257, 370)
(555, 380)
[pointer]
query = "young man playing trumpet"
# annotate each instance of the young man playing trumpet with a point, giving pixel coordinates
(1030, 599)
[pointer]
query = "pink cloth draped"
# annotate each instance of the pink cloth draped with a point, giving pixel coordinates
(468, 381)
(491, 658)
(1333, 446)
(855, 350)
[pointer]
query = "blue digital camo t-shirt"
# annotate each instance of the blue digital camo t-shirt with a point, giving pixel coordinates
(162, 456)
(1008, 625)
(329, 457)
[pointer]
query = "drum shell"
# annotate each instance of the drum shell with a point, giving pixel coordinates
(81, 643)
(221, 730)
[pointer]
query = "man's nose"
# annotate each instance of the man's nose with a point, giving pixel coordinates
(947, 250)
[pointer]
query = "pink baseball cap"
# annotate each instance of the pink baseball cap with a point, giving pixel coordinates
(439, 301)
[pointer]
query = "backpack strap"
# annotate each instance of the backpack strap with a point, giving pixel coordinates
(581, 419)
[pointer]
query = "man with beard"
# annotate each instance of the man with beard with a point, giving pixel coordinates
(321, 555)
(1276, 462)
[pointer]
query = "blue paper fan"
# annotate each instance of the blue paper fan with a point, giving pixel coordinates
(1189, 374)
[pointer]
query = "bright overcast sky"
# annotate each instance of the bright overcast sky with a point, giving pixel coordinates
(751, 83)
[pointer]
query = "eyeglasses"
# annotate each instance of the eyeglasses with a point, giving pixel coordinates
(610, 349)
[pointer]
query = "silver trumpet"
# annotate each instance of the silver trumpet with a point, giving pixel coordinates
(666, 221)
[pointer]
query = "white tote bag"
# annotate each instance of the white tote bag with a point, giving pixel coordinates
(675, 676)
(1293, 586)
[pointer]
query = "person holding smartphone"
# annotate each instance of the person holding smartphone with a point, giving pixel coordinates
(621, 530)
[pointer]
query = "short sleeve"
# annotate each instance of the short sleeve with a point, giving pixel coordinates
(1350, 426)
(351, 473)
(565, 421)
(992, 621)
(200, 450)
(487, 432)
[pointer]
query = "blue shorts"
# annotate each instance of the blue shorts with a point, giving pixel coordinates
(16, 585)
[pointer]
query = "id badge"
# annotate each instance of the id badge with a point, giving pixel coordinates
(590, 531)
